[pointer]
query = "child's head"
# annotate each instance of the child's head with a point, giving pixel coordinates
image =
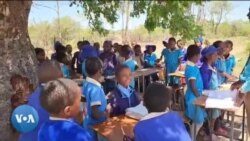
(96, 45)
(94, 67)
(198, 41)
(107, 46)
(40, 54)
(220, 46)
(193, 53)
(125, 51)
(137, 50)
(69, 49)
(123, 75)
(180, 44)
(157, 98)
(150, 49)
(61, 98)
(79, 44)
(49, 70)
(210, 54)
(116, 46)
(171, 43)
(228, 46)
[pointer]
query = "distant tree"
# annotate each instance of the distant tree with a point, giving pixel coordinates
(170, 15)
(218, 11)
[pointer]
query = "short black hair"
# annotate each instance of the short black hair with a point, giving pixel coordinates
(217, 43)
(61, 57)
(157, 97)
(229, 42)
(192, 50)
(126, 49)
(58, 94)
(39, 50)
(93, 65)
(85, 42)
(172, 39)
(137, 46)
(119, 69)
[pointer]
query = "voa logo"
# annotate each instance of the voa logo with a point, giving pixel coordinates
(24, 118)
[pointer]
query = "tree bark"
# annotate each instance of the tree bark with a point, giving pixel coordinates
(16, 56)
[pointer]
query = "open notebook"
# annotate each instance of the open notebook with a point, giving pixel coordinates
(221, 99)
(137, 112)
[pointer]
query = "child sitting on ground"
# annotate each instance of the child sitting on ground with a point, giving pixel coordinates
(123, 96)
(132, 65)
(94, 94)
(61, 98)
(160, 124)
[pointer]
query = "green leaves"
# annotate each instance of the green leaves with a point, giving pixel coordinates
(172, 15)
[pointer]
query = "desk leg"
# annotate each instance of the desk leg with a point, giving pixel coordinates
(243, 122)
(143, 84)
(232, 127)
(194, 134)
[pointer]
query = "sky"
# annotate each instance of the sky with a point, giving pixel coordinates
(46, 11)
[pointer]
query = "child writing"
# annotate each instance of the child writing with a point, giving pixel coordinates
(61, 98)
(160, 124)
(230, 59)
(95, 96)
(132, 65)
(211, 81)
(172, 60)
(194, 89)
(123, 96)
(47, 71)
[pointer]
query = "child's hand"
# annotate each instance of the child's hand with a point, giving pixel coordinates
(239, 99)
(108, 110)
(236, 85)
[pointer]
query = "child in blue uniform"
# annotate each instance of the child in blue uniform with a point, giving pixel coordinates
(160, 124)
(172, 59)
(194, 89)
(126, 51)
(61, 98)
(230, 59)
(124, 96)
(94, 94)
(47, 71)
(211, 82)
(64, 61)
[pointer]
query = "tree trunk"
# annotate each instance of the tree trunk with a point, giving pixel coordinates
(127, 20)
(16, 56)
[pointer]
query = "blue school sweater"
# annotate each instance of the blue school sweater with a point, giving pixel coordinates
(161, 127)
(120, 101)
(63, 130)
(34, 101)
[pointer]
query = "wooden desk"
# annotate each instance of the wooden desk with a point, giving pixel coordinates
(111, 129)
(201, 101)
(177, 74)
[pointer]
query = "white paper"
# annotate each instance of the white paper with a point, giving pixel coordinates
(137, 112)
(221, 99)
(143, 69)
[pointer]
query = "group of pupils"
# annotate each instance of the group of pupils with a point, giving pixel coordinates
(57, 98)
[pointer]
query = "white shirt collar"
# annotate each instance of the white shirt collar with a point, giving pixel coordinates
(56, 118)
(190, 63)
(172, 50)
(153, 115)
(91, 80)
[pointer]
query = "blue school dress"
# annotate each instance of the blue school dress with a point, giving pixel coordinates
(210, 82)
(65, 70)
(230, 64)
(245, 75)
(171, 60)
(63, 130)
(192, 72)
(221, 67)
(150, 60)
(163, 126)
(121, 99)
(132, 66)
(94, 94)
